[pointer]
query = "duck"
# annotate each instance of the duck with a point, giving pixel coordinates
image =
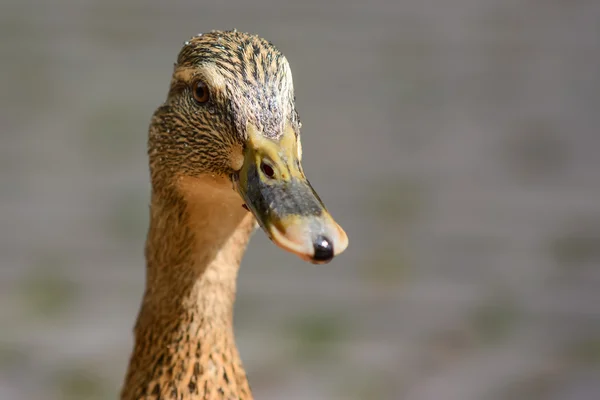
(225, 158)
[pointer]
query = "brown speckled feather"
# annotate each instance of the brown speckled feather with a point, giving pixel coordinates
(184, 343)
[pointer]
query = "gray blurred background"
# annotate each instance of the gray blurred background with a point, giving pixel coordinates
(456, 141)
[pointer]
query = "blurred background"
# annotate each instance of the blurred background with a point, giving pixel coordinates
(456, 141)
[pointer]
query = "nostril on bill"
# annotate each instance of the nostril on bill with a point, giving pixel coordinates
(323, 249)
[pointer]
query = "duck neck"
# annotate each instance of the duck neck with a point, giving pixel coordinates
(184, 341)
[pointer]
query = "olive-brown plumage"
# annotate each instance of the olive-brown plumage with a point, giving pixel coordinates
(229, 116)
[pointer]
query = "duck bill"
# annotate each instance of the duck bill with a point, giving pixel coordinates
(275, 190)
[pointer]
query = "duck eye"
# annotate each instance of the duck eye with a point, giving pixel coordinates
(267, 169)
(200, 91)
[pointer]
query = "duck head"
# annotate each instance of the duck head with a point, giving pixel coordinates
(230, 117)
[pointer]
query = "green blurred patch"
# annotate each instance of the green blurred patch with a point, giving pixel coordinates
(394, 204)
(369, 385)
(386, 265)
(81, 383)
(495, 318)
(15, 25)
(316, 335)
(113, 134)
(577, 246)
(46, 291)
(585, 353)
(246, 309)
(395, 201)
(13, 356)
(27, 76)
(129, 215)
(531, 388)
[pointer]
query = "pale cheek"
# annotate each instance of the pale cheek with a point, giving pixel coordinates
(237, 158)
(299, 148)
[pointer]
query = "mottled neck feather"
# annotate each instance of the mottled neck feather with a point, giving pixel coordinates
(184, 342)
